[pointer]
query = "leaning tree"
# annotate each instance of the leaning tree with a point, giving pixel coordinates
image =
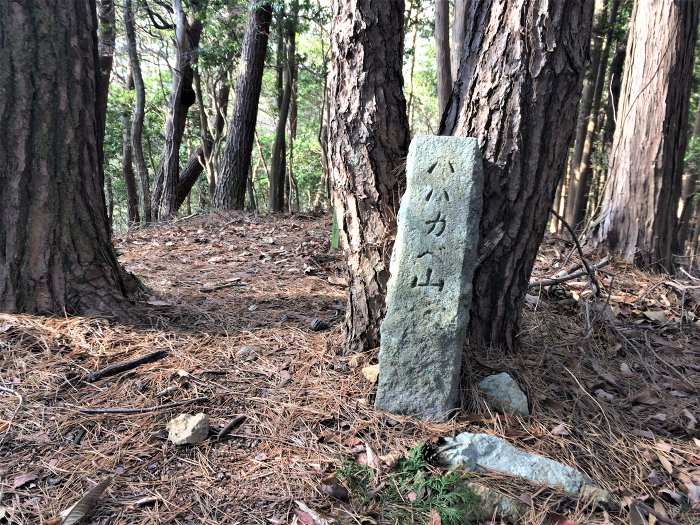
(56, 254)
(638, 216)
(368, 140)
(517, 90)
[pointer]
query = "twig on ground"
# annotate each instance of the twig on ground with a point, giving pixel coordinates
(125, 366)
(14, 413)
(690, 276)
(649, 510)
(144, 410)
(569, 277)
(591, 274)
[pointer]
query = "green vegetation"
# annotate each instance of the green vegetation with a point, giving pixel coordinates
(412, 490)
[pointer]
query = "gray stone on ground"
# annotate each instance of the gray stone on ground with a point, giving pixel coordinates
(187, 429)
(484, 452)
(429, 292)
(503, 394)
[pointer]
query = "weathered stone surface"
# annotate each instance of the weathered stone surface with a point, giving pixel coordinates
(429, 293)
(482, 452)
(503, 393)
(187, 429)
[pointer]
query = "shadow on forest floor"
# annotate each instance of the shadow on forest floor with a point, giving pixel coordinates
(613, 387)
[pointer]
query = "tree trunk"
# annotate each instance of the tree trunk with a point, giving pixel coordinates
(231, 186)
(584, 112)
(584, 172)
(139, 111)
(517, 90)
(688, 190)
(106, 39)
(614, 85)
(442, 43)
(56, 253)
(368, 142)
(638, 218)
(132, 197)
(459, 26)
(204, 155)
(182, 97)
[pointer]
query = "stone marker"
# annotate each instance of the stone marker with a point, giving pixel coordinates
(429, 292)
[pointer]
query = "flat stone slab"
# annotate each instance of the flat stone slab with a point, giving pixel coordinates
(503, 393)
(484, 452)
(429, 292)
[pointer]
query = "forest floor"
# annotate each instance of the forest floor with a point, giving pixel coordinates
(613, 383)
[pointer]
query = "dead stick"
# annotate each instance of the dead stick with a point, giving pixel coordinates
(591, 275)
(569, 277)
(126, 365)
(235, 423)
(120, 410)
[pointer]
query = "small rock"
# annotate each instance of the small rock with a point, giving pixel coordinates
(354, 361)
(371, 373)
(187, 429)
(503, 393)
(247, 353)
(479, 452)
(317, 325)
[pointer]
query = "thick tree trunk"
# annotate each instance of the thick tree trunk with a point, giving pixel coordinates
(56, 254)
(584, 111)
(459, 26)
(517, 90)
(230, 188)
(182, 97)
(106, 39)
(132, 196)
(442, 43)
(368, 141)
(638, 218)
(139, 111)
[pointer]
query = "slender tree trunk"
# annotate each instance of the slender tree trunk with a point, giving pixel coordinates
(517, 90)
(109, 195)
(584, 172)
(203, 156)
(182, 97)
(231, 186)
(368, 141)
(688, 190)
(56, 253)
(614, 85)
(106, 39)
(442, 43)
(132, 197)
(638, 218)
(584, 111)
(139, 111)
(459, 26)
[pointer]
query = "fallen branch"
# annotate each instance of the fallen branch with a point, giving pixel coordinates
(121, 410)
(569, 277)
(125, 366)
(591, 274)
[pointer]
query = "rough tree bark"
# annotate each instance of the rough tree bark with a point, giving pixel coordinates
(106, 39)
(517, 90)
(182, 97)
(368, 141)
(459, 25)
(442, 43)
(638, 218)
(139, 111)
(231, 186)
(56, 254)
(132, 196)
